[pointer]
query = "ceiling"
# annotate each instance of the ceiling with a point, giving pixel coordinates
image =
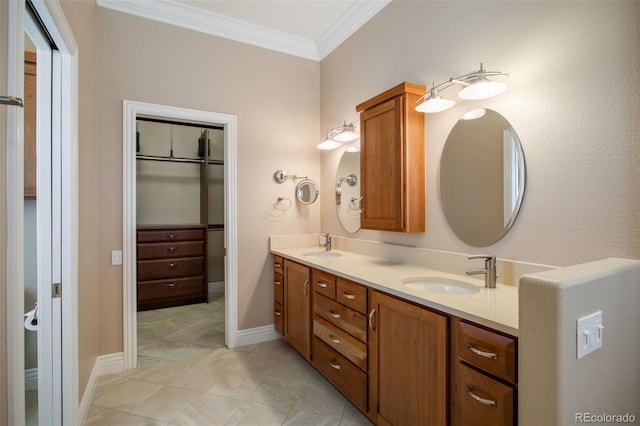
(307, 28)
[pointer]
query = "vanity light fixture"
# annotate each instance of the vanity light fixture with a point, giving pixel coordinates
(474, 113)
(477, 86)
(328, 144)
(352, 148)
(338, 136)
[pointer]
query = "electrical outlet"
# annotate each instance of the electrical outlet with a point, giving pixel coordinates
(589, 333)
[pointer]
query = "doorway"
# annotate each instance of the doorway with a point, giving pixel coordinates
(133, 112)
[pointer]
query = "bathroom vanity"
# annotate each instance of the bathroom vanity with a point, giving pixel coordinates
(399, 354)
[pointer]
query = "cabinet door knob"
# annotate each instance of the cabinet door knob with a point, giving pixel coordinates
(171, 285)
(489, 402)
(277, 265)
(489, 355)
(334, 315)
(334, 364)
(171, 265)
(172, 249)
(279, 314)
(305, 288)
(171, 236)
(371, 314)
(277, 283)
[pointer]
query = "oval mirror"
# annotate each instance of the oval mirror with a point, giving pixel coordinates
(482, 177)
(307, 192)
(348, 191)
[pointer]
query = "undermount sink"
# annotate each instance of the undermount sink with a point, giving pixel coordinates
(441, 285)
(322, 254)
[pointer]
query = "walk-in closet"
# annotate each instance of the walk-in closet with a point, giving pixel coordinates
(179, 213)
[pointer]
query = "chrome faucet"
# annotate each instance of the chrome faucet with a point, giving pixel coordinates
(327, 242)
(489, 270)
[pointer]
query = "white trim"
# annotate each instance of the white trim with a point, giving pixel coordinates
(252, 336)
(31, 379)
(110, 363)
(104, 364)
(185, 16)
(216, 287)
(132, 109)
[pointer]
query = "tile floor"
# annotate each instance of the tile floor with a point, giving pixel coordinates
(186, 376)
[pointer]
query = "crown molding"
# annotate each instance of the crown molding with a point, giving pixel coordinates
(185, 16)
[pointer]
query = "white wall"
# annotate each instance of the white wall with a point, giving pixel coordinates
(553, 384)
(573, 99)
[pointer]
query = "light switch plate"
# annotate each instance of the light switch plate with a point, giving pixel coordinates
(589, 333)
(116, 257)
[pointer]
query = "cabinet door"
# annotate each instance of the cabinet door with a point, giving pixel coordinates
(407, 363)
(381, 160)
(297, 315)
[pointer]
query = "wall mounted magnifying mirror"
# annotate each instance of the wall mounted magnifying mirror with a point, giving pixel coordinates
(307, 191)
(348, 191)
(482, 178)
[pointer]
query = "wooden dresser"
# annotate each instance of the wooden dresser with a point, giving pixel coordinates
(171, 263)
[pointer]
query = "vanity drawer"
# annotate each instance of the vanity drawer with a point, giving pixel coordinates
(278, 318)
(324, 283)
(163, 235)
(170, 268)
(487, 350)
(180, 288)
(168, 250)
(344, 375)
(341, 316)
(278, 264)
(278, 288)
(352, 295)
(348, 346)
(481, 400)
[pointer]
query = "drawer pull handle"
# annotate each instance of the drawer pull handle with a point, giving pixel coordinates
(171, 265)
(334, 364)
(277, 283)
(323, 285)
(171, 236)
(334, 315)
(349, 296)
(277, 265)
(489, 402)
(305, 288)
(171, 285)
(279, 314)
(172, 249)
(489, 355)
(371, 314)
(334, 339)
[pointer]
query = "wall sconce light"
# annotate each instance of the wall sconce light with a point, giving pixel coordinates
(338, 136)
(477, 86)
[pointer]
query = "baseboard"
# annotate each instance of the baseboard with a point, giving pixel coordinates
(216, 287)
(251, 336)
(105, 364)
(31, 379)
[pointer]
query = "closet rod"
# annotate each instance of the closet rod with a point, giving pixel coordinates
(171, 159)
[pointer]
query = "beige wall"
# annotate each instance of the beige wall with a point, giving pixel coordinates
(82, 18)
(573, 99)
(276, 98)
(553, 384)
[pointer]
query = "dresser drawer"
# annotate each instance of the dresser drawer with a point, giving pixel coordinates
(487, 350)
(348, 346)
(344, 375)
(180, 288)
(173, 234)
(324, 283)
(169, 250)
(481, 400)
(278, 264)
(278, 318)
(352, 295)
(278, 288)
(170, 268)
(341, 316)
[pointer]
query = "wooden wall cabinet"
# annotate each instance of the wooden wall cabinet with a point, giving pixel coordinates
(278, 294)
(407, 363)
(297, 307)
(171, 266)
(392, 161)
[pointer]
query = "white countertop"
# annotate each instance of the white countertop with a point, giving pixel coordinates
(496, 308)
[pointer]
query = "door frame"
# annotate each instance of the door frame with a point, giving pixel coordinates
(64, 120)
(131, 110)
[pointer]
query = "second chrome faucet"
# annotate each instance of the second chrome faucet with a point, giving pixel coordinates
(489, 270)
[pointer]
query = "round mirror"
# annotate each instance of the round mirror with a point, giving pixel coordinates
(307, 192)
(348, 191)
(482, 177)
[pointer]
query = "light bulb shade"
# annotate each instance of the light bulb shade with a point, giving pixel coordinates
(344, 134)
(482, 89)
(474, 113)
(353, 148)
(435, 104)
(328, 145)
